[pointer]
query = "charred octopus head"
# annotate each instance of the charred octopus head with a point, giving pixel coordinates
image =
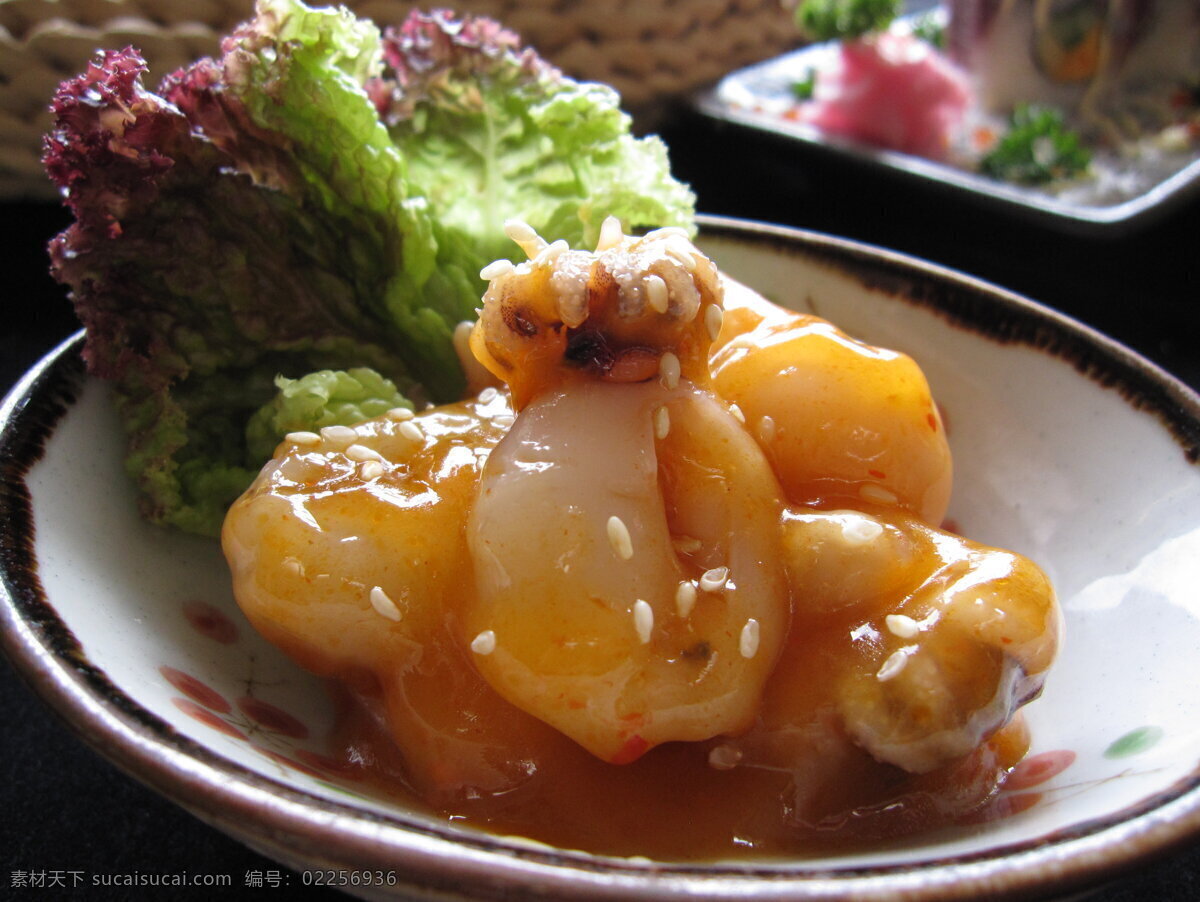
(635, 309)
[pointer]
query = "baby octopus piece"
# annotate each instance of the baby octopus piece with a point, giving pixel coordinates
(970, 643)
(348, 553)
(844, 423)
(635, 309)
(625, 537)
(916, 645)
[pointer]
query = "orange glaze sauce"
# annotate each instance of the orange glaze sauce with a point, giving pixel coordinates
(446, 744)
(672, 805)
(799, 784)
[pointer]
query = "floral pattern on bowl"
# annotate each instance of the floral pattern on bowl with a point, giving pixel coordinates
(274, 733)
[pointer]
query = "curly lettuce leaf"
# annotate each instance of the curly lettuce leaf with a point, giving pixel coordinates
(491, 131)
(273, 211)
(323, 398)
(298, 77)
(195, 286)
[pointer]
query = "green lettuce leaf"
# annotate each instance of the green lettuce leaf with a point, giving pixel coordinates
(323, 398)
(305, 202)
(492, 132)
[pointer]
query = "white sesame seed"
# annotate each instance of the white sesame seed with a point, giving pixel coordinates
(685, 598)
(384, 605)
(681, 251)
(748, 641)
(610, 234)
(713, 317)
(892, 666)
(877, 493)
(399, 413)
(484, 643)
(861, 530)
(293, 566)
(503, 420)
(657, 295)
(338, 435)
(724, 757)
(488, 395)
(411, 431)
(519, 230)
(362, 452)
(460, 340)
(550, 253)
(643, 620)
(902, 625)
(685, 544)
(533, 246)
(662, 423)
(619, 538)
(668, 369)
(371, 469)
(736, 413)
(496, 269)
(302, 438)
(714, 580)
(767, 430)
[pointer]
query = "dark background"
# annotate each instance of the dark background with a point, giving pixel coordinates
(64, 808)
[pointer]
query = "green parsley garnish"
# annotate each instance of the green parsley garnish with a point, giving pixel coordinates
(1037, 148)
(830, 20)
(802, 88)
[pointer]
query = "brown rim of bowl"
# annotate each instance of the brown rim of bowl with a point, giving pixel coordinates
(307, 831)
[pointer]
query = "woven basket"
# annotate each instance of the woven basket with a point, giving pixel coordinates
(652, 52)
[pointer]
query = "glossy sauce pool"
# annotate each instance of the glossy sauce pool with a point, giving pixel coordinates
(672, 805)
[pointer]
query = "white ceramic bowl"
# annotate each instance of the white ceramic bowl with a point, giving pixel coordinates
(1068, 447)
